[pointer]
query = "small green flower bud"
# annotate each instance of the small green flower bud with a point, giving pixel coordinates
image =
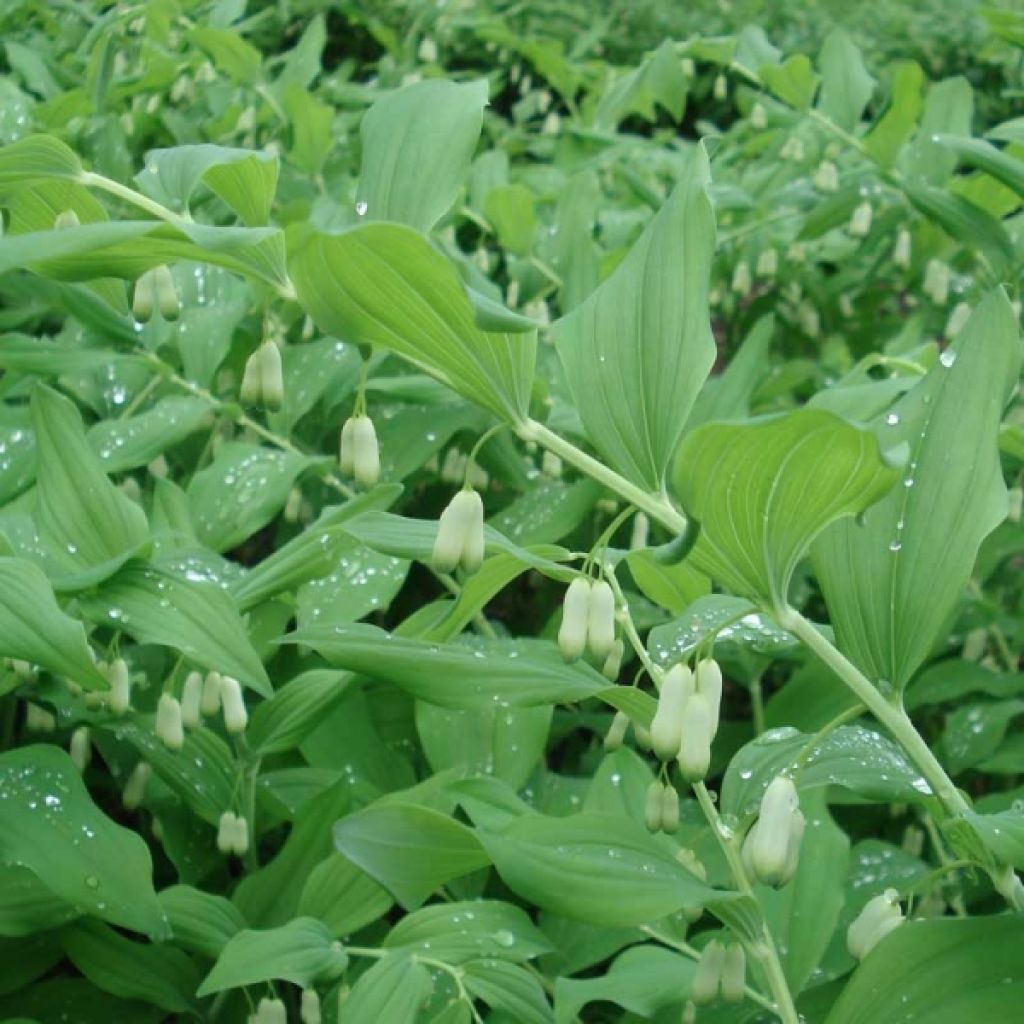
(695, 746)
(144, 297)
(901, 248)
(168, 722)
(708, 976)
(135, 788)
(226, 832)
(365, 452)
(741, 283)
(166, 293)
(236, 718)
(1014, 504)
(80, 748)
(734, 972)
(346, 451)
(616, 731)
(669, 809)
(958, 316)
(975, 643)
(120, 686)
(758, 118)
(880, 915)
(191, 698)
(309, 1007)
(860, 220)
(551, 465)
(667, 724)
(38, 719)
(826, 177)
(767, 263)
(689, 68)
(601, 620)
(271, 375)
(239, 836)
(271, 1011)
(613, 663)
(707, 678)
(936, 282)
(209, 704)
(473, 542)
(652, 807)
(793, 149)
(572, 635)
(721, 88)
(66, 219)
(250, 391)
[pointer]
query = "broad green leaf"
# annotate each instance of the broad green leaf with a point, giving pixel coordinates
(852, 757)
(165, 977)
(311, 122)
(948, 110)
(201, 922)
(888, 591)
(343, 896)
(392, 990)
(974, 730)
(74, 1001)
(417, 145)
(1001, 833)
(87, 526)
(23, 353)
(301, 952)
(846, 85)
(658, 80)
(943, 971)
(548, 512)
(34, 157)
(196, 618)
(295, 710)
(411, 850)
(674, 587)
(34, 629)
(510, 209)
(895, 126)
(459, 676)
(230, 53)
(49, 825)
(637, 351)
(384, 284)
(600, 868)
(793, 81)
(244, 487)
(763, 490)
(509, 990)
(985, 157)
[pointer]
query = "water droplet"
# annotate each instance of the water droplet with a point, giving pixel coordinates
(893, 419)
(361, 208)
(895, 546)
(948, 358)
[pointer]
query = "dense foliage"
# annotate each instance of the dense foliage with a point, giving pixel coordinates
(511, 512)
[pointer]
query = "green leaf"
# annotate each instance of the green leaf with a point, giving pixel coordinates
(846, 85)
(412, 170)
(510, 209)
(895, 126)
(459, 676)
(201, 922)
(793, 81)
(49, 825)
(295, 710)
(34, 629)
(600, 868)
(230, 53)
(384, 284)
(392, 990)
(411, 850)
(659, 79)
(34, 157)
(983, 156)
(301, 952)
(634, 398)
(27, 906)
(165, 977)
(889, 594)
(763, 490)
(241, 491)
(343, 896)
(1002, 834)
(88, 527)
(944, 971)
(509, 989)
(197, 619)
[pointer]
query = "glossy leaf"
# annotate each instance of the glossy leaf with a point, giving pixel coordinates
(846, 85)
(393, 989)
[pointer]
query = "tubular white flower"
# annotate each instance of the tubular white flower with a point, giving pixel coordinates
(958, 316)
(346, 448)
(166, 293)
(652, 807)
(120, 679)
(226, 832)
(860, 220)
(236, 718)
(473, 542)
(168, 722)
(770, 848)
(38, 719)
(1014, 504)
(767, 263)
(707, 680)
(901, 248)
(669, 809)
(135, 788)
(271, 1011)
(80, 748)
(667, 724)
(758, 117)
(209, 704)
(741, 282)
(708, 976)
(616, 731)
(66, 219)
(191, 699)
(144, 297)
(880, 915)
(309, 1007)
(613, 663)
(695, 745)
(826, 177)
(936, 282)
(365, 452)
(249, 392)
(572, 634)
(239, 836)
(734, 971)
(721, 88)
(452, 528)
(271, 375)
(601, 620)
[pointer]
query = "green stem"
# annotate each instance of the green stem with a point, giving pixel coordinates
(757, 704)
(129, 195)
(765, 952)
(657, 506)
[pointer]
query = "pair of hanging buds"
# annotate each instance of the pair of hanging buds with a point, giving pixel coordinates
(721, 970)
(661, 808)
(771, 849)
(119, 697)
(263, 377)
(155, 288)
(269, 1011)
(232, 834)
(880, 915)
(200, 697)
(588, 621)
(686, 719)
(359, 453)
(460, 534)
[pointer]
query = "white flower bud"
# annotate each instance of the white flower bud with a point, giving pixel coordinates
(552, 123)
(365, 452)
(721, 88)
(66, 219)
(236, 718)
(845, 305)
(767, 263)
(810, 322)
(769, 846)
(271, 1011)
(144, 297)
(601, 620)
(249, 393)
(826, 177)
(860, 220)
(166, 293)
(901, 248)
(461, 522)
(271, 375)
(793, 149)
(346, 450)
(191, 698)
(669, 809)
(226, 832)
(688, 67)
(309, 1007)
(667, 724)
(120, 679)
(708, 976)
(695, 746)
(880, 915)
(957, 318)
(1014, 504)
(758, 118)
(473, 543)
(551, 465)
(168, 722)
(80, 748)
(936, 282)
(239, 836)
(572, 635)
(643, 737)
(135, 788)
(427, 53)
(734, 971)
(616, 731)
(741, 282)
(613, 663)
(209, 704)
(707, 680)
(38, 719)
(652, 807)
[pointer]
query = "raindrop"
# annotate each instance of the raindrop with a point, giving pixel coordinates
(361, 208)
(948, 358)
